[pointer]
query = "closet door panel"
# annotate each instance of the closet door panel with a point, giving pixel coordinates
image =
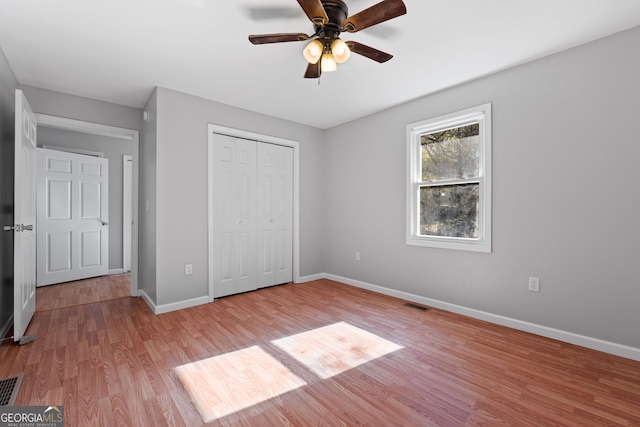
(275, 215)
(234, 229)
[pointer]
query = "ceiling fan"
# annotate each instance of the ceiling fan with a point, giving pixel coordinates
(330, 18)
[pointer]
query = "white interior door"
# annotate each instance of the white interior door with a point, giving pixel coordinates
(234, 215)
(73, 215)
(275, 214)
(24, 217)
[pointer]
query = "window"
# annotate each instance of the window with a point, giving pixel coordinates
(449, 181)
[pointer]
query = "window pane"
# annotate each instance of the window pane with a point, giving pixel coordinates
(450, 154)
(450, 211)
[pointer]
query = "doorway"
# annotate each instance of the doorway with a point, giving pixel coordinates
(77, 135)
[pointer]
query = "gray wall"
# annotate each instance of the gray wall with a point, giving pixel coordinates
(565, 201)
(148, 159)
(114, 149)
(8, 86)
(181, 180)
(60, 104)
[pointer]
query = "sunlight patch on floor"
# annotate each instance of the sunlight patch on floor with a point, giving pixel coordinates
(336, 348)
(230, 382)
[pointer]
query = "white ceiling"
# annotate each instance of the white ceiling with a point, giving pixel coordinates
(119, 50)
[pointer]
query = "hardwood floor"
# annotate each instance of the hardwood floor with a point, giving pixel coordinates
(82, 292)
(319, 353)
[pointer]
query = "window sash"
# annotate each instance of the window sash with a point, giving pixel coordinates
(450, 155)
(448, 184)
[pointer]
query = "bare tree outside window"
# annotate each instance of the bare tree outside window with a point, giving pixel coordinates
(450, 209)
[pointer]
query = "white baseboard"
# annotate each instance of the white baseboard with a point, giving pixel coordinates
(568, 337)
(116, 271)
(166, 308)
(148, 300)
(311, 278)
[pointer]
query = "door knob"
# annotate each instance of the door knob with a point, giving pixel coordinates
(103, 222)
(8, 227)
(26, 227)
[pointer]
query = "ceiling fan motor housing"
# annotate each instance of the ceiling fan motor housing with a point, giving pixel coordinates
(337, 11)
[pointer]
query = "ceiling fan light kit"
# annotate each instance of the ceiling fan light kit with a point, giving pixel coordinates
(313, 51)
(332, 55)
(328, 63)
(329, 18)
(340, 51)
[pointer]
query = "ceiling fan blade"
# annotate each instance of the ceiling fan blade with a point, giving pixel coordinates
(369, 52)
(315, 11)
(277, 38)
(313, 71)
(380, 12)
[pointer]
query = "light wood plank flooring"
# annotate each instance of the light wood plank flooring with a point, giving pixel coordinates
(320, 353)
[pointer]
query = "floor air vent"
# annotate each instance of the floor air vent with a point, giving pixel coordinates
(416, 306)
(9, 388)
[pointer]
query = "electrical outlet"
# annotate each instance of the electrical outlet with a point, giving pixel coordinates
(188, 269)
(534, 284)
(357, 256)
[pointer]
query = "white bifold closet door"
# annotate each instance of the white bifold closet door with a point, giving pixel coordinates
(275, 214)
(252, 209)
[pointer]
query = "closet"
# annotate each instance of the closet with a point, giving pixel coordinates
(252, 209)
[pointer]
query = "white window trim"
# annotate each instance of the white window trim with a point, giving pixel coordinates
(482, 115)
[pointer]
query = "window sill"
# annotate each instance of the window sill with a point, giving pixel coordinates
(460, 244)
